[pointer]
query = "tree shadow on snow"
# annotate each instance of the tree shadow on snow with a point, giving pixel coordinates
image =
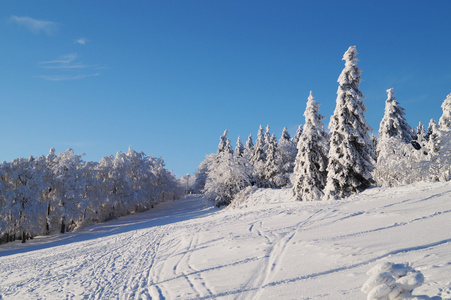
(165, 213)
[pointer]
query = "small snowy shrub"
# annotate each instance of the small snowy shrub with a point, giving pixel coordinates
(389, 281)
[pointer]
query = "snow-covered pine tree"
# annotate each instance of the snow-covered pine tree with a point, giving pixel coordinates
(440, 144)
(445, 119)
(224, 144)
(350, 155)
(420, 144)
(297, 135)
(267, 136)
(258, 159)
(311, 161)
(432, 136)
(287, 152)
(374, 144)
(285, 136)
(239, 149)
(272, 169)
(393, 123)
(249, 147)
(432, 124)
(394, 151)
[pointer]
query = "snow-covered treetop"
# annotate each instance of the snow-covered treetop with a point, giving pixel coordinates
(267, 135)
(393, 123)
(285, 136)
(260, 134)
(249, 143)
(312, 114)
(351, 73)
(239, 149)
(445, 119)
(259, 151)
(297, 135)
(224, 144)
(350, 107)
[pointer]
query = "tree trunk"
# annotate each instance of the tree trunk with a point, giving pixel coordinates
(24, 237)
(47, 225)
(63, 226)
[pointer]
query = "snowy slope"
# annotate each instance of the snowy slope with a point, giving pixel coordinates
(273, 249)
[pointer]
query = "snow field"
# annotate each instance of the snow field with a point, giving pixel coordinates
(272, 249)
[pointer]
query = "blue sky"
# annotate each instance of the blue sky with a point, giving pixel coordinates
(167, 77)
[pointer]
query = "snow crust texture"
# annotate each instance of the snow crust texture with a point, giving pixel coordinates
(275, 248)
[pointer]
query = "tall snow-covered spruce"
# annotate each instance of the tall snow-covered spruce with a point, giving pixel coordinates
(351, 154)
(311, 160)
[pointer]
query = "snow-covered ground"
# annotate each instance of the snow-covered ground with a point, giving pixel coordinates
(272, 249)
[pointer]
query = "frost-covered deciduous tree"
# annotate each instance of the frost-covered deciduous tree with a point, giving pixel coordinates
(201, 174)
(42, 195)
(350, 155)
(226, 176)
(67, 190)
(400, 163)
(311, 161)
(23, 198)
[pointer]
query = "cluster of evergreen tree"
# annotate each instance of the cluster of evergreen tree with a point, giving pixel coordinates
(59, 192)
(408, 155)
(266, 164)
(333, 164)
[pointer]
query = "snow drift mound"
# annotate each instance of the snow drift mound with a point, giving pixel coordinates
(393, 281)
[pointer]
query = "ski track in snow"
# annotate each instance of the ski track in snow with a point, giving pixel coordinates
(184, 250)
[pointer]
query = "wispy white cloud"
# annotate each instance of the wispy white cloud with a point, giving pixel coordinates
(62, 60)
(34, 25)
(81, 41)
(71, 68)
(67, 77)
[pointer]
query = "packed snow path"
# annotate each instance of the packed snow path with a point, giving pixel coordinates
(275, 249)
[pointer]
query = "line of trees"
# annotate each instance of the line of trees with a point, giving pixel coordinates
(347, 159)
(59, 192)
